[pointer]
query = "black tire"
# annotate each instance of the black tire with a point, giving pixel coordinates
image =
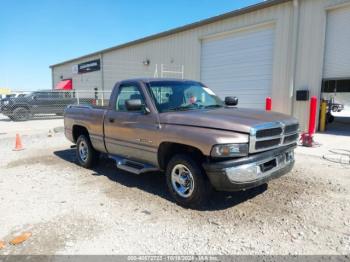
(20, 114)
(92, 155)
(334, 108)
(201, 186)
(330, 118)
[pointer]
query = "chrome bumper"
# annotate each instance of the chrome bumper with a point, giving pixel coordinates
(259, 170)
(251, 171)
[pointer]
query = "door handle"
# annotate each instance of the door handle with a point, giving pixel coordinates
(111, 120)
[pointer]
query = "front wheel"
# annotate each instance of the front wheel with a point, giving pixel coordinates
(187, 182)
(21, 114)
(87, 156)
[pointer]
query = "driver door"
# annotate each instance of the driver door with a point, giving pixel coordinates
(128, 133)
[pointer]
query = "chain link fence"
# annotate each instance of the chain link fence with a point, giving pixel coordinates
(25, 106)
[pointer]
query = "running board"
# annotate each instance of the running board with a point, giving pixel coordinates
(132, 166)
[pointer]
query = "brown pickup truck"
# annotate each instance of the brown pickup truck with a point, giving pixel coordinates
(182, 128)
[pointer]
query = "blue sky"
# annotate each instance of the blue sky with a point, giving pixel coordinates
(35, 34)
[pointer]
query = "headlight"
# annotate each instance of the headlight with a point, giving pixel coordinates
(229, 150)
(5, 102)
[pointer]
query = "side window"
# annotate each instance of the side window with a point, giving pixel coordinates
(54, 95)
(127, 92)
(42, 95)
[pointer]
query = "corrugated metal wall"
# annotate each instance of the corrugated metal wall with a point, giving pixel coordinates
(184, 48)
(310, 53)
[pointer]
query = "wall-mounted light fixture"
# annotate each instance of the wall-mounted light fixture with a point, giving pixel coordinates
(146, 62)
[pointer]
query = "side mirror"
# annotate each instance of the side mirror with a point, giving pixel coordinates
(134, 105)
(34, 97)
(231, 101)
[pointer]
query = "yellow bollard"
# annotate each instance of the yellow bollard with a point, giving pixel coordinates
(323, 116)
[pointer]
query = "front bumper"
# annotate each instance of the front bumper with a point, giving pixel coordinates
(250, 171)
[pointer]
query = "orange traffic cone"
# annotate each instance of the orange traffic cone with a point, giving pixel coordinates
(18, 145)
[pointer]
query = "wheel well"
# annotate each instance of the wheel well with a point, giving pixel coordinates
(21, 106)
(79, 130)
(168, 149)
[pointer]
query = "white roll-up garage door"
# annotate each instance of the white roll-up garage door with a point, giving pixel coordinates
(337, 49)
(240, 65)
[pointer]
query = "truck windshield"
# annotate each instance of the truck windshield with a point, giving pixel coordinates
(179, 96)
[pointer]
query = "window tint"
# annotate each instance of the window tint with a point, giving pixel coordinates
(42, 95)
(162, 94)
(127, 92)
(173, 95)
(54, 95)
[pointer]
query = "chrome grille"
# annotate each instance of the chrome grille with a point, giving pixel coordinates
(267, 143)
(290, 138)
(291, 128)
(269, 132)
(273, 135)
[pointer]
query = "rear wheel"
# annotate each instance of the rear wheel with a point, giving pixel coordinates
(187, 182)
(335, 108)
(330, 118)
(87, 156)
(21, 114)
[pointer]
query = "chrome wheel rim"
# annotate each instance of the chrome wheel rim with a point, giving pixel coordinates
(83, 151)
(182, 180)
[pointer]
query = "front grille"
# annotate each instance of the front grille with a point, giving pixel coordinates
(269, 132)
(291, 138)
(291, 128)
(272, 135)
(267, 143)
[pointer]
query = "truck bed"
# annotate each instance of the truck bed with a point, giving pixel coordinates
(89, 116)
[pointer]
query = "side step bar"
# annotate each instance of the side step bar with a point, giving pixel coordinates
(132, 166)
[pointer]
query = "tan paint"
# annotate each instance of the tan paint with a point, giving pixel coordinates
(138, 136)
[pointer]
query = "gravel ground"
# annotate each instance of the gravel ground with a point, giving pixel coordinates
(38, 125)
(71, 210)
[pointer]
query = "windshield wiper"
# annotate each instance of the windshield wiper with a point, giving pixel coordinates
(180, 108)
(213, 106)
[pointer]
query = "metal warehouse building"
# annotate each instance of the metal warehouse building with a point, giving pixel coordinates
(274, 48)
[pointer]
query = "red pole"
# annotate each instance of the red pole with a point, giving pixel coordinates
(268, 104)
(312, 120)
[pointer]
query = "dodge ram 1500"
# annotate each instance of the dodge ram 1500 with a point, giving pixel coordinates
(183, 129)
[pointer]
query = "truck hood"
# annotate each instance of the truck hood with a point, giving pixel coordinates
(232, 119)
